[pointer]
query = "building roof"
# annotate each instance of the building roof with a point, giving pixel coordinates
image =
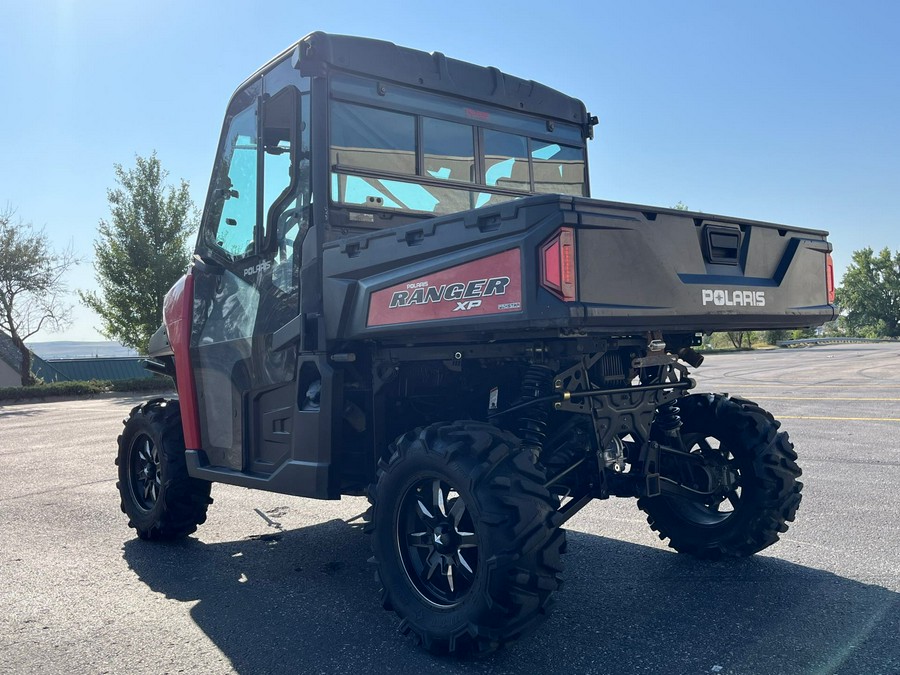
(62, 370)
(117, 368)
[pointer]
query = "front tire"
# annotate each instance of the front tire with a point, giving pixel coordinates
(159, 497)
(464, 537)
(737, 436)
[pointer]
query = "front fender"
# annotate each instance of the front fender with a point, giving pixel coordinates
(159, 344)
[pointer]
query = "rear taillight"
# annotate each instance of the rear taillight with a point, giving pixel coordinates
(829, 278)
(558, 264)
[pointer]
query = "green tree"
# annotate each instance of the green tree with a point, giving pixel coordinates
(803, 333)
(730, 340)
(141, 251)
(771, 337)
(738, 338)
(870, 294)
(32, 290)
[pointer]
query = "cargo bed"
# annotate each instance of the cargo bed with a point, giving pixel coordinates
(636, 269)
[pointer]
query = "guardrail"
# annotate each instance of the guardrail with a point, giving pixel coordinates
(828, 341)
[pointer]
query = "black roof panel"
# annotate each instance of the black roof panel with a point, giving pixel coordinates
(434, 71)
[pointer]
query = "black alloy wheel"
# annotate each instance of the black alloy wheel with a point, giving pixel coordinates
(465, 537)
(159, 497)
(720, 476)
(437, 541)
(746, 485)
(145, 472)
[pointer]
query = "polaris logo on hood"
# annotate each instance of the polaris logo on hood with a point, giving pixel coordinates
(722, 298)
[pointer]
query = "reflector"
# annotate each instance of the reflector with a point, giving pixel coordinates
(829, 278)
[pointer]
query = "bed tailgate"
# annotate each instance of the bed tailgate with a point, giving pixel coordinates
(697, 271)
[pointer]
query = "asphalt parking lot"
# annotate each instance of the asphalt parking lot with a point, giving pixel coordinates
(79, 594)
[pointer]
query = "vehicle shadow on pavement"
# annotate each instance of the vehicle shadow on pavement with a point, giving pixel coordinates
(304, 601)
(6, 411)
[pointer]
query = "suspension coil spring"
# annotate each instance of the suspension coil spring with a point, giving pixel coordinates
(668, 418)
(537, 383)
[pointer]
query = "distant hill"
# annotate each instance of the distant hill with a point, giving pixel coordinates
(79, 350)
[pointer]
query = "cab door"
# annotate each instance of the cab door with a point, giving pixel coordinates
(246, 276)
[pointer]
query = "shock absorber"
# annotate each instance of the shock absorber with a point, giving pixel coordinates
(668, 419)
(533, 420)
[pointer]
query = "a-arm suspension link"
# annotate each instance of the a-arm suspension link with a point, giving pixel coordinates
(617, 412)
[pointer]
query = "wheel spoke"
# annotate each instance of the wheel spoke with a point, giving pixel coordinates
(705, 447)
(424, 510)
(438, 498)
(463, 563)
(457, 510)
(467, 540)
(434, 561)
(420, 539)
(448, 572)
(733, 497)
(716, 502)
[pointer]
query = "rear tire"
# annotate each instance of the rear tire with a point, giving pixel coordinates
(159, 497)
(741, 436)
(465, 537)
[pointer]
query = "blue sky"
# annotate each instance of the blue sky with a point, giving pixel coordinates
(779, 111)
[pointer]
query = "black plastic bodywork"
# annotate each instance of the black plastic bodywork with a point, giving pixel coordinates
(319, 52)
(639, 269)
(313, 391)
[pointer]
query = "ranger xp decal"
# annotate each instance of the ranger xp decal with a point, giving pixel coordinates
(491, 285)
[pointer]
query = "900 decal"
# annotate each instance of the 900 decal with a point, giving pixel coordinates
(491, 285)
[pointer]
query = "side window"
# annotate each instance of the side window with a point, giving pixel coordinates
(449, 150)
(371, 138)
(278, 153)
(558, 169)
(505, 165)
(236, 186)
(286, 183)
(506, 160)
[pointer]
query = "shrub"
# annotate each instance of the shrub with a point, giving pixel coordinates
(86, 388)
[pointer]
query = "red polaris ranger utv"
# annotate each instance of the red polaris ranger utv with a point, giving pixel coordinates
(401, 288)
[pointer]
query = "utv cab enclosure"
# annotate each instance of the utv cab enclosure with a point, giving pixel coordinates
(402, 288)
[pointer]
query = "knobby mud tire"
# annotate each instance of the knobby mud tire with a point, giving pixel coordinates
(180, 502)
(519, 543)
(770, 491)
